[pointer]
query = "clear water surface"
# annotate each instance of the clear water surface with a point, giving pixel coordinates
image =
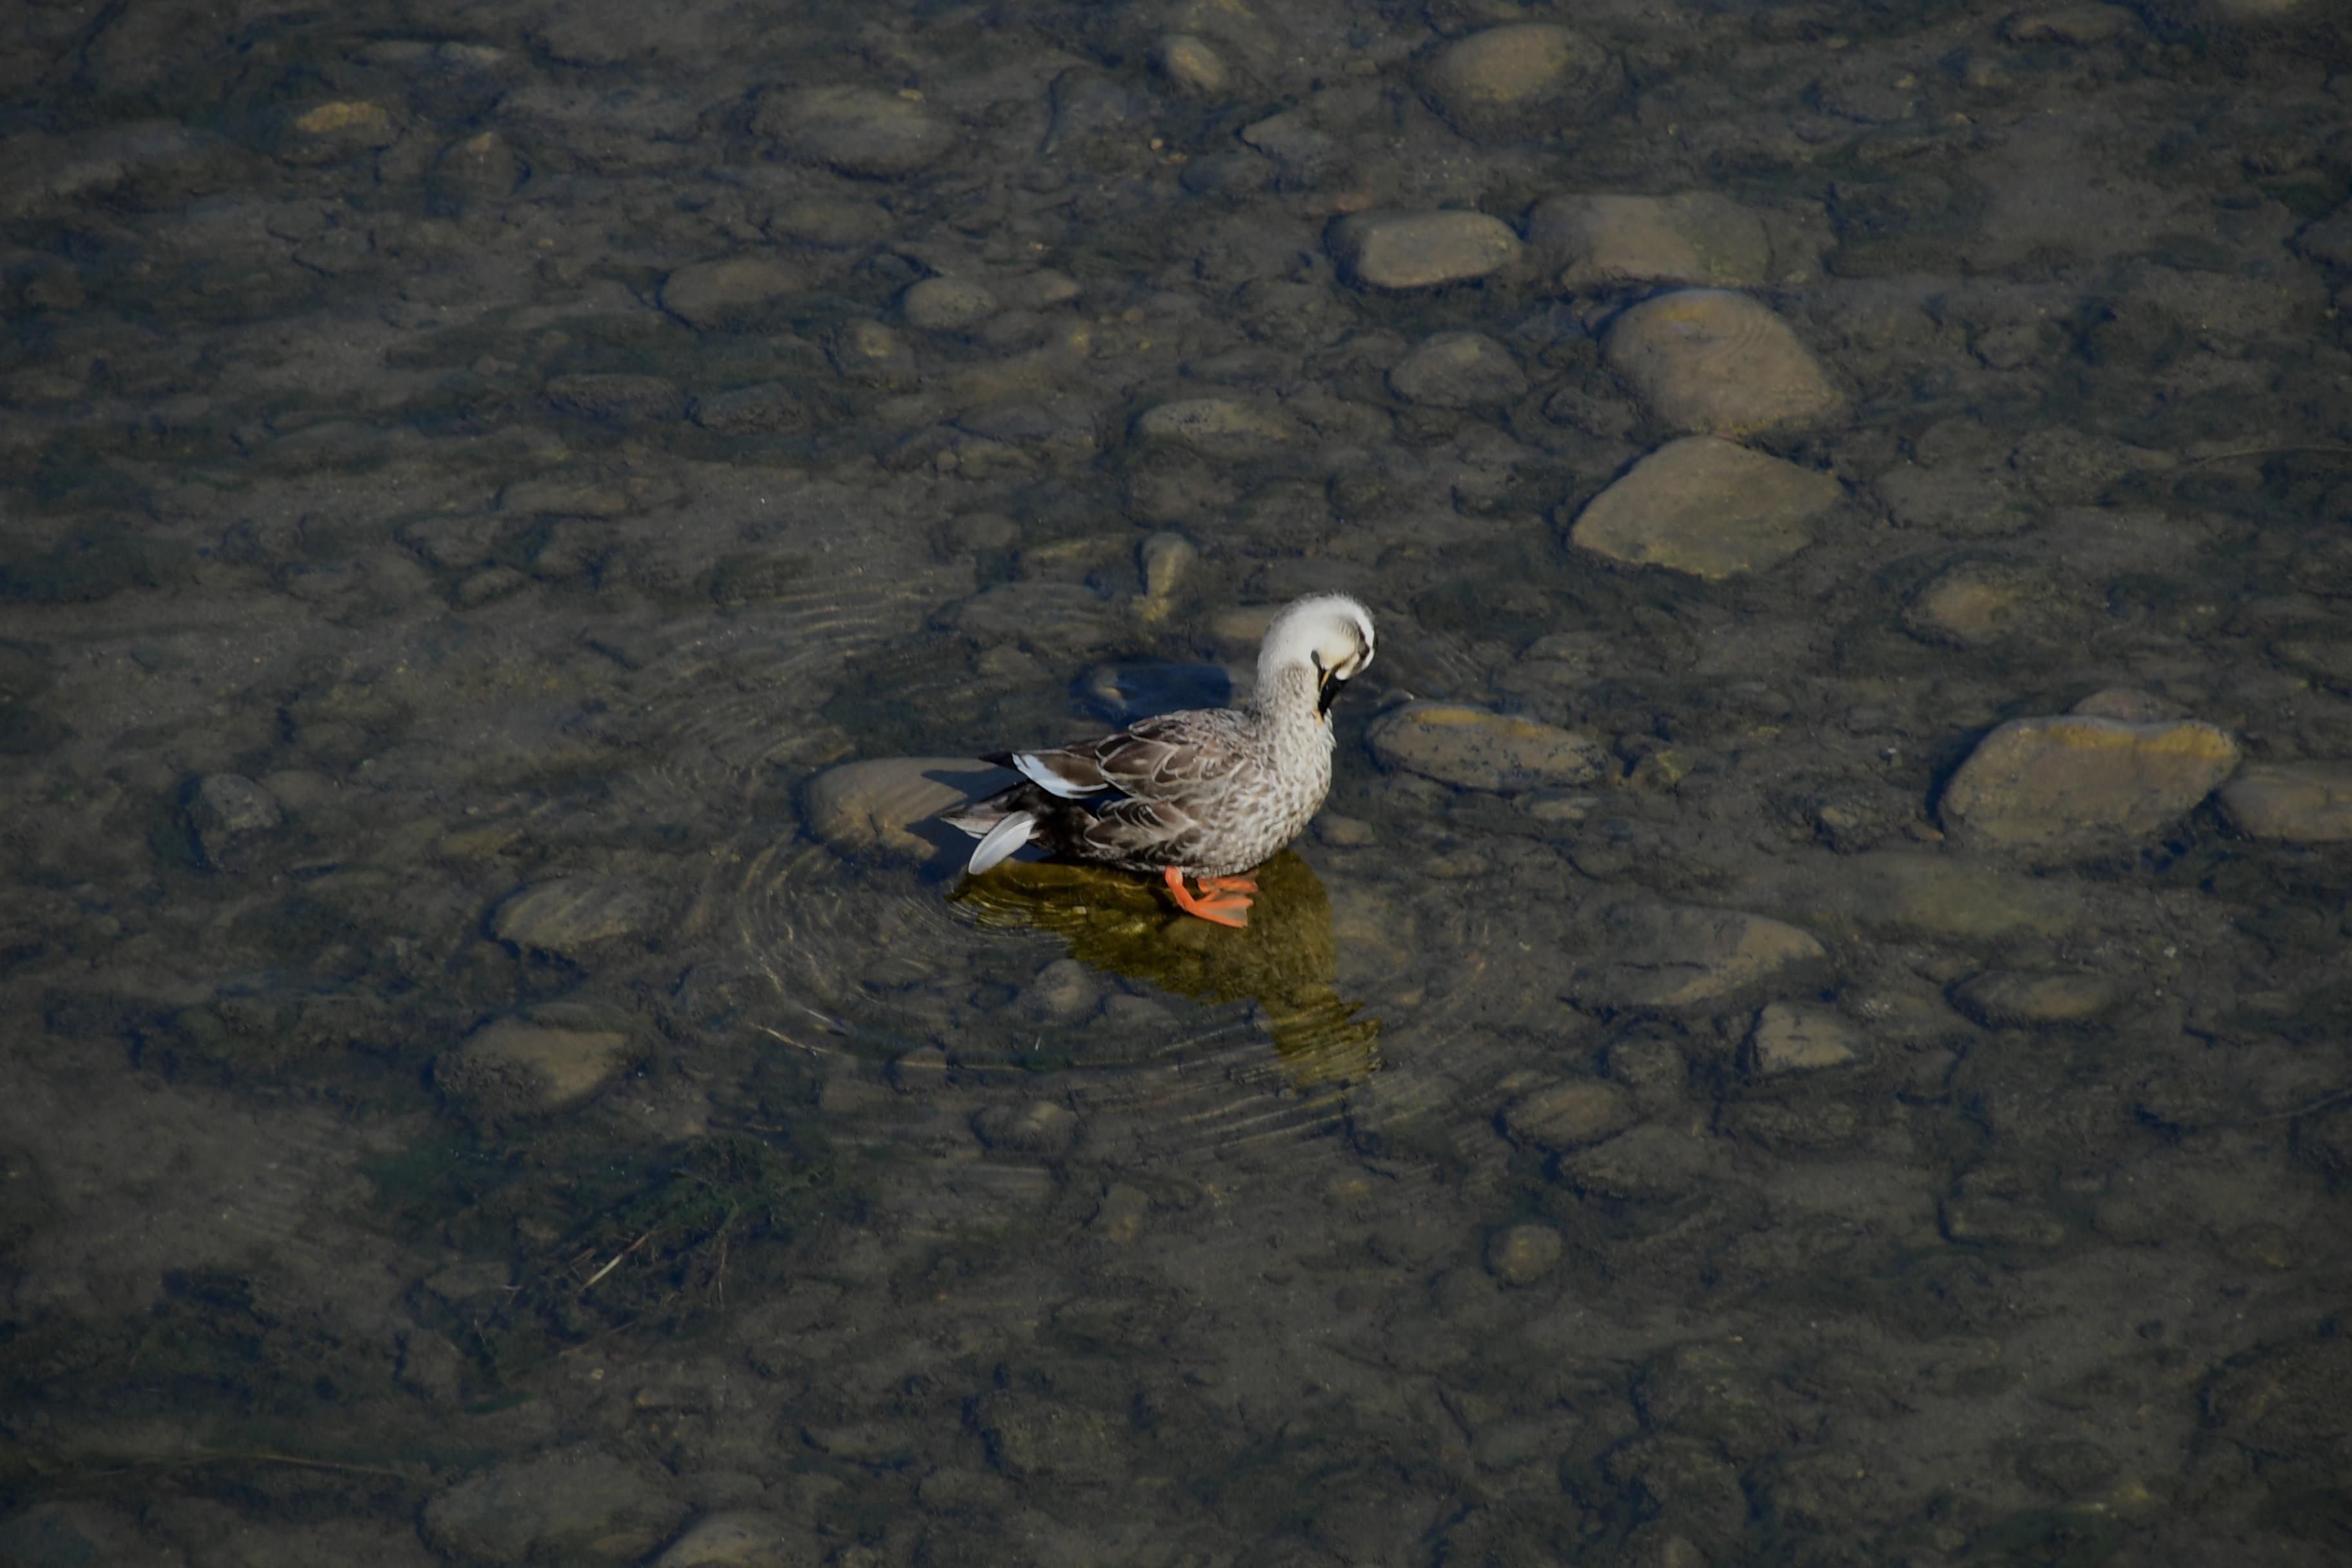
(482, 1087)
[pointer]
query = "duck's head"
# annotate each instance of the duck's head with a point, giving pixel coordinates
(1327, 634)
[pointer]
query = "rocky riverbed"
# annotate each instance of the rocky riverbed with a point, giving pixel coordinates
(1812, 1029)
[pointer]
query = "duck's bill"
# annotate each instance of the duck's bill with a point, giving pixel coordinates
(1329, 693)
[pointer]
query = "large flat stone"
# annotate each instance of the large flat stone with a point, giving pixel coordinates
(2305, 803)
(1676, 957)
(1497, 78)
(881, 803)
(577, 1505)
(862, 131)
(1422, 249)
(1698, 239)
(1705, 507)
(1710, 361)
(1477, 749)
(2072, 786)
(570, 915)
(515, 1065)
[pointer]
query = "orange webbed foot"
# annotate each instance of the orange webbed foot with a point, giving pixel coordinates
(1228, 885)
(1231, 909)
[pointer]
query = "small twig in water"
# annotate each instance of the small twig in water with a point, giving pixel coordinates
(2269, 452)
(617, 1257)
(2322, 1103)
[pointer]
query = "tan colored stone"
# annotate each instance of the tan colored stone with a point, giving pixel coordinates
(878, 803)
(1963, 500)
(573, 1505)
(1788, 1039)
(1523, 1254)
(1192, 63)
(1422, 249)
(1647, 1162)
(570, 915)
(1212, 426)
(736, 1538)
(2071, 786)
(1458, 370)
(2307, 803)
(1978, 603)
(707, 294)
(335, 130)
(2004, 998)
(1934, 895)
(946, 304)
(1568, 1115)
(1705, 507)
(514, 1065)
(862, 131)
(1710, 361)
(1502, 73)
(1675, 957)
(1697, 237)
(1477, 749)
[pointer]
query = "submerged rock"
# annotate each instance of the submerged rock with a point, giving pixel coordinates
(1497, 79)
(1978, 603)
(1792, 1039)
(730, 292)
(767, 407)
(1672, 957)
(2306, 803)
(2004, 998)
(569, 915)
(1213, 427)
(1458, 370)
(1192, 64)
(1648, 1162)
(860, 131)
(1568, 1115)
(1523, 1254)
(343, 129)
(1422, 249)
(1707, 360)
(878, 804)
(1935, 895)
(230, 813)
(741, 1538)
(615, 397)
(1043, 1128)
(1475, 749)
(513, 1065)
(1705, 507)
(2073, 786)
(1698, 239)
(946, 304)
(578, 1504)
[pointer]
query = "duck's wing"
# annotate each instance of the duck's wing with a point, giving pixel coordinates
(1133, 830)
(1151, 760)
(1163, 759)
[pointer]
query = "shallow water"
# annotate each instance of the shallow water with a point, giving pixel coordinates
(480, 1088)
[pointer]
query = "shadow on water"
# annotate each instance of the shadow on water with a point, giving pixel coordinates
(1286, 960)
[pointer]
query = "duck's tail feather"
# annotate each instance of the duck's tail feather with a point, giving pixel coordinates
(999, 843)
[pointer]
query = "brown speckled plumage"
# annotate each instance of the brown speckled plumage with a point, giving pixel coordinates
(1209, 792)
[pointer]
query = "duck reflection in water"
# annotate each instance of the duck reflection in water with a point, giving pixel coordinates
(1285, 960)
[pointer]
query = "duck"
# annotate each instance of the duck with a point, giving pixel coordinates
(1203, 793)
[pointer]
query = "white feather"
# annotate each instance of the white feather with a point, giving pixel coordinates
(1046, 779)
(999, 842)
